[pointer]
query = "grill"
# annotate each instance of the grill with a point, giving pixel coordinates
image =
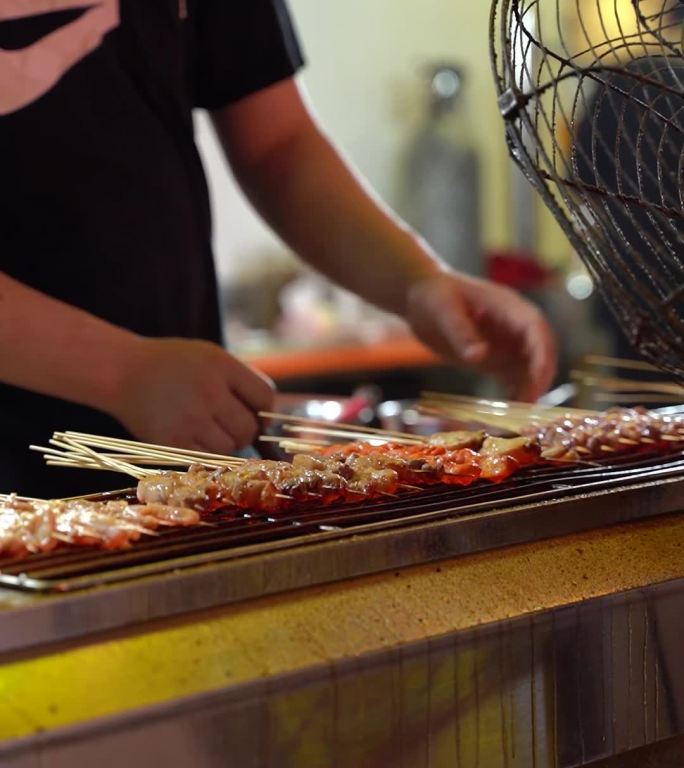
(231, 534)
(69, 594)
(236, 556)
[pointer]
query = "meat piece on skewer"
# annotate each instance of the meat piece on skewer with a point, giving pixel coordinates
(501, 456)
(269, 486)
(22, 530)
(439, 461)
(195, 489)
(41, 526)
(615, 431)
(154, 515)
(459, 439)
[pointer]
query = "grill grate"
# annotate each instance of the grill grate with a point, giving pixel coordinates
(230, 533)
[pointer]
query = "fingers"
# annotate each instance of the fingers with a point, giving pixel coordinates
(224, 430)
(441, 318)
(237, 421)
(211, 438)
(521, 349)
(253, 388)
(461, 333)
(541, 358)
(190, 393)
(224, 423)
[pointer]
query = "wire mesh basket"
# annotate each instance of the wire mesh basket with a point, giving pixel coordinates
(592, 93)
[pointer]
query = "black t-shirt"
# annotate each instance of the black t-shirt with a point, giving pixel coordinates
(103, 200)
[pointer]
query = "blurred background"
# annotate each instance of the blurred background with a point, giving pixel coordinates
(405, 90)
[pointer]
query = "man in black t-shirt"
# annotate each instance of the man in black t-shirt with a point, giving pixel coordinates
(108, 309)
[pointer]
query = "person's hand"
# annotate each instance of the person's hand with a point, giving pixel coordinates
(487, 327)
(190, 394)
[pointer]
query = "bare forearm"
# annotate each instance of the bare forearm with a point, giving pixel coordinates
(55, 349)
(184, 392)
(349, 235)
(310, 197)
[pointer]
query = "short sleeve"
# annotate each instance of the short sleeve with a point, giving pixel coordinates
(239, 47)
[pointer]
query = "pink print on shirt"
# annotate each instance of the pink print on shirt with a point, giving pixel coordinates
(28, 74)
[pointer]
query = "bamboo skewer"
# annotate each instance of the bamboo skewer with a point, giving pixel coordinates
(529, 410)
(340, 425)
(125, 454)
(360, 434)
(79, 460)
(152, 449)
(491, 419)
(619, 362)
(296, 444)
(629, 385)
(636, 397)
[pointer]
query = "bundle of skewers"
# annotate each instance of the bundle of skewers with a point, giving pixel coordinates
(329, 465)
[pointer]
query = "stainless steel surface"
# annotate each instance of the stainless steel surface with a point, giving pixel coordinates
(422, 534)
(550, 690)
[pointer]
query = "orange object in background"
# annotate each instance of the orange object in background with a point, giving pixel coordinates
(395, 352)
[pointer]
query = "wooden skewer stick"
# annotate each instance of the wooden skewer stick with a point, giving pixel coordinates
(359, 435)
(530, 410)
(157, 462)
(77, 459)
(79, 456)
(339, 425)
(84, 457)
(499, 420)
(619, 362)
(73, 464)
(128, 458)
(84, 438)
(297, 444)
(628, 385)
(153, 456)
(115, 464)
(636, 397)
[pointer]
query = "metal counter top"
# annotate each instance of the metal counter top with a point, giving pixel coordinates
(283, 641)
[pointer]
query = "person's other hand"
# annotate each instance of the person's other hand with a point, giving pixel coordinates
(190, 394)
(487, 327)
